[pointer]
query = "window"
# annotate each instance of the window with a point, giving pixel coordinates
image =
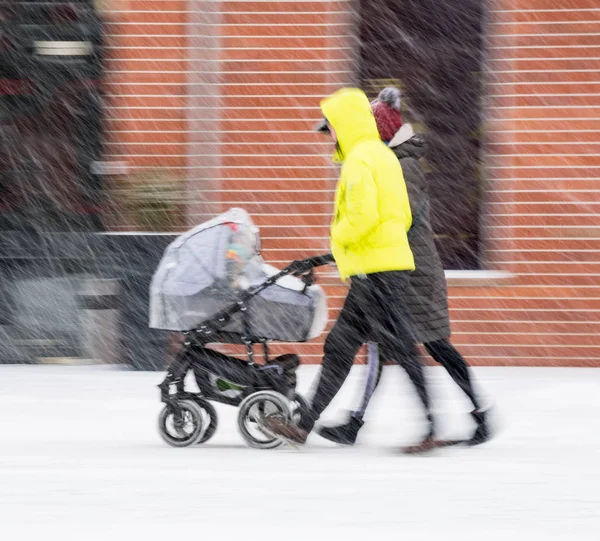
(50, 116)
(433, 51)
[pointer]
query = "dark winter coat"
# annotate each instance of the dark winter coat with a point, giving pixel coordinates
(427, 293)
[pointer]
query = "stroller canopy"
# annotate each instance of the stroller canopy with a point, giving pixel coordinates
(206, 269)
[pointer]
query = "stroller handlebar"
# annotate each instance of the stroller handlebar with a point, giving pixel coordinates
(305, 265)
(296, 268)
(320, 260)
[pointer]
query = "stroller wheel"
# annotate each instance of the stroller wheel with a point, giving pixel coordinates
(299, 406)
(254, 409)
(183, 428)
(209, 419)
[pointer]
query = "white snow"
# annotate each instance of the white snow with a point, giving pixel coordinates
(80, 459)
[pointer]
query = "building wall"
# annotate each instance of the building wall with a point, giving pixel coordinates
(226, 94)
(543, 223)
(146, 82)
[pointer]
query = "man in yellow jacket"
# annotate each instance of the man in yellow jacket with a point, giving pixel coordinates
(370, 246)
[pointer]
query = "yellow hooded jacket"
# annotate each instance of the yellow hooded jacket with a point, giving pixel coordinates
(372, 211)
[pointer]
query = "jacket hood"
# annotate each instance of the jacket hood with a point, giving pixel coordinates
(349, 112)
(408, 144)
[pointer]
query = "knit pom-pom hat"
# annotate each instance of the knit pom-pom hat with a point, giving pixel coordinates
(386, 109)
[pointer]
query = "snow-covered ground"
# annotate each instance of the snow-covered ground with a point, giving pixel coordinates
(80, 459)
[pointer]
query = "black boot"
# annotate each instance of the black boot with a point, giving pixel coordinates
(343, 434)
(482, 433)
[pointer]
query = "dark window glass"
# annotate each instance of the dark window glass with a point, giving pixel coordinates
(50, 116)
(433, 50)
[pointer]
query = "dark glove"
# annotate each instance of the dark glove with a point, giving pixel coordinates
(302, 266)
(321, 260)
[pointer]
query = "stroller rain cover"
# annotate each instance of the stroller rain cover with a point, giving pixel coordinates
(207, 268)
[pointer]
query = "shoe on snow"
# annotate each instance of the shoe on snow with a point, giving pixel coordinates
(452, 443)
(342, 434)
(425, 446)
(286, 431)
(482, 432)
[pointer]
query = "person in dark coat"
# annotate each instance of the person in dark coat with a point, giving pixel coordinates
(427, 295)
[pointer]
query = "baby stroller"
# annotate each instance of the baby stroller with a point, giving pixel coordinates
(213, 286)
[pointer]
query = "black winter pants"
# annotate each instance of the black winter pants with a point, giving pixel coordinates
(450, 358)
(375, 310)
(442, 352)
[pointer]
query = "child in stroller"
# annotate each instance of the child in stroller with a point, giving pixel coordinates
(213, 286)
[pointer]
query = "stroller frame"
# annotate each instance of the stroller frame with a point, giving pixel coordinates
(172, 388)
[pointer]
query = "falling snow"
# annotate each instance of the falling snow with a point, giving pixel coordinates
(104, 160)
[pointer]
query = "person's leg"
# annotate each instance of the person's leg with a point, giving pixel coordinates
(347, 432)
(374, 370)
(341, 347)
(448, 356)
(395, 328)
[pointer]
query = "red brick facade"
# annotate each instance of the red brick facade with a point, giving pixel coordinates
(226, 94)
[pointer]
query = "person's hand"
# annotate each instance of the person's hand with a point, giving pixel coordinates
(301, 266)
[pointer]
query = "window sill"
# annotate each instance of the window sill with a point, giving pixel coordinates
(454, 278)
(478, 278)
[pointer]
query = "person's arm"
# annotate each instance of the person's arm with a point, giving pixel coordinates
(361, 210)
(407, 200)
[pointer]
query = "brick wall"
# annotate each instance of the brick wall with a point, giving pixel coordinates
(542, 219)
(227, 94)
(146, 89)
(277, 60)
